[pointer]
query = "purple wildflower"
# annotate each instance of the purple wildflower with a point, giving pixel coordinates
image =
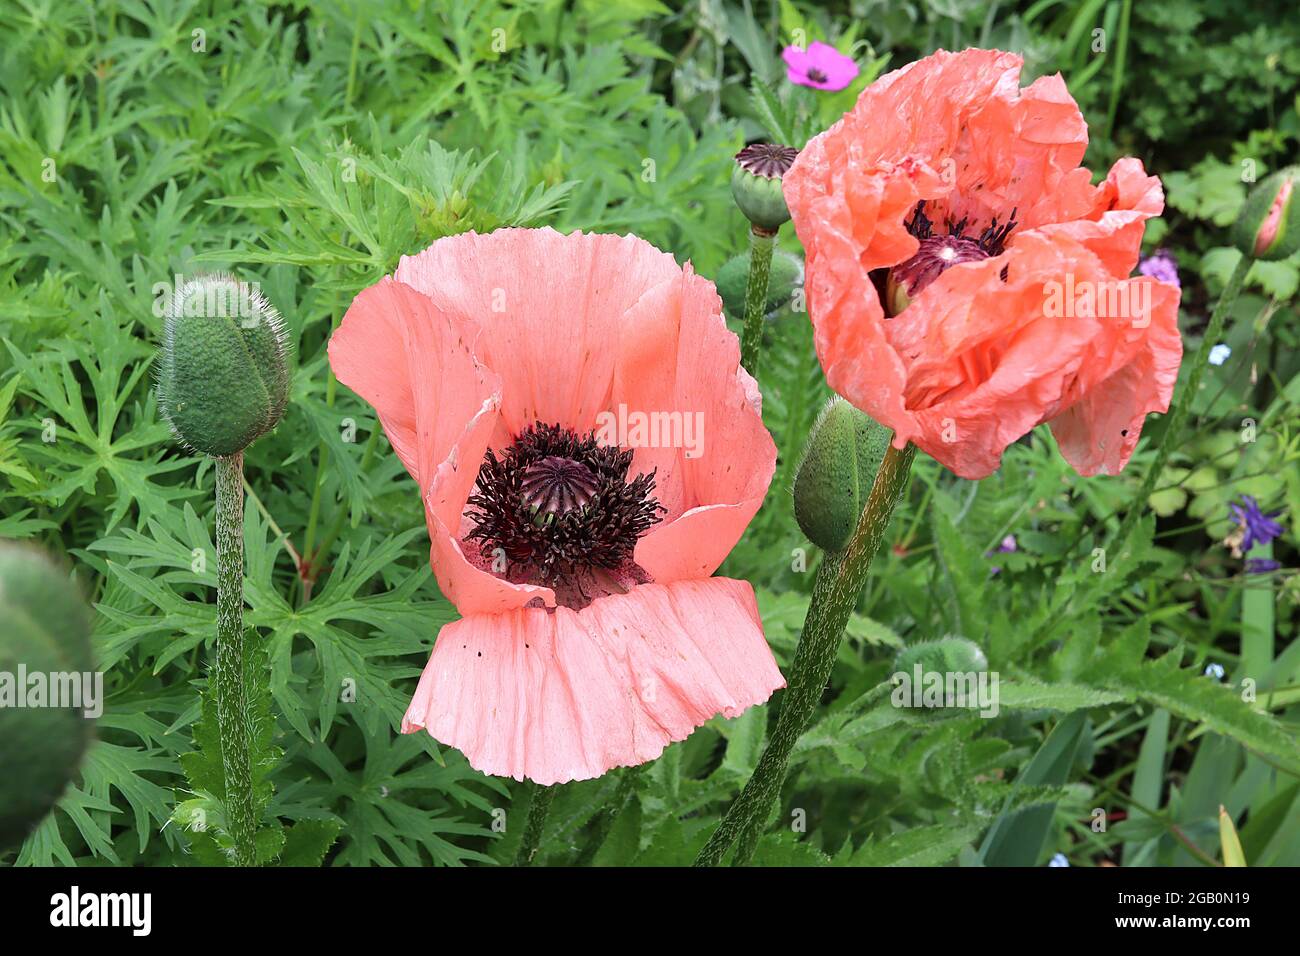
(1258, 527)
(1262, 565)
(821, 66)
(1007, 546)
(1160, 265)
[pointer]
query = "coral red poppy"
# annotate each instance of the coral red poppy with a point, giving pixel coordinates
(589, 450)
(966, 280)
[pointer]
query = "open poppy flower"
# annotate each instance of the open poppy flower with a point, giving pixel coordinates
(966, 280)
(589, 450)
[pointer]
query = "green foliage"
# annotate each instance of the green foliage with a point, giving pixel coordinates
(308, 147)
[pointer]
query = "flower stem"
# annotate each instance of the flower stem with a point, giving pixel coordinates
(748, 841)
(605, 818)
(228, 676)
(538, 807)
(760, 269)
(1183, 407)
(835, 593)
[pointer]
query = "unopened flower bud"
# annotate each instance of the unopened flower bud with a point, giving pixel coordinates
(223, 376)
(46, 637)
(839, 466)
(756, 184)
(787, 271)
(948, 655)
(1269, 224)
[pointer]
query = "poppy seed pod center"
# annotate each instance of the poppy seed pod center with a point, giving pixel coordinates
(558, 509)
(557, 485)
(939, 253)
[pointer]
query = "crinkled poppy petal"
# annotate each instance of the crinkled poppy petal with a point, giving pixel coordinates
(569, 695)
(678, 370)
(994, 358)
(549, 307)
(996, 361)
(1020, 150)
(438, 405)
(1097, 433)
(1112, 228)
(849, 217)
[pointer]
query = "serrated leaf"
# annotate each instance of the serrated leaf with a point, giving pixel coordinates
(919, 846)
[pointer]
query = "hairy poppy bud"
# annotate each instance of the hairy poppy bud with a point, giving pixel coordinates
(786, 272)
(223, 377)
(839, 466)
(44, 647)
(948, 655)
(933, 675)
(1269, 224)
(756, 184)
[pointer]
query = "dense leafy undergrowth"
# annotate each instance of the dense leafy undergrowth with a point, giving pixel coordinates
(308, 146)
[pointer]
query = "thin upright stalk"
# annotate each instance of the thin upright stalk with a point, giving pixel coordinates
(605, 817)
(538, 807)
(228, 675)
(760, 270)
(835, 593)
(1183, 407)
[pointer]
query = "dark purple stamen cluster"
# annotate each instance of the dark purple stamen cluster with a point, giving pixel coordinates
(991, 241)
(559, 505)
(938, 253)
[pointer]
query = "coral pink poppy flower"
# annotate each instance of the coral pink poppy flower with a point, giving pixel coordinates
(966, 280)
(589, 450)
(821, 66)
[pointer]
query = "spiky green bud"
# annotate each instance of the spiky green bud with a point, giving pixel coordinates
(756, 184)
(834, 478)
(947, 655)
(1268, 227)
(786, 272)
(44, 645)
(223, 373)
(946, 659)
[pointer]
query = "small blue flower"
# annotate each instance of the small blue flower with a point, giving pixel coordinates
(1219, 354)
(1214, 670)
(1058, 860)
(1260, 528)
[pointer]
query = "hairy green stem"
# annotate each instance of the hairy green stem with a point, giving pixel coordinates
(1183, 407)
(228, 676)
(760, 270)
(835, 593)
(749, 837)
(538, 807)
(605, 817)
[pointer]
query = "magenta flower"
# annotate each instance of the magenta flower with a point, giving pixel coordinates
(821, 66)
